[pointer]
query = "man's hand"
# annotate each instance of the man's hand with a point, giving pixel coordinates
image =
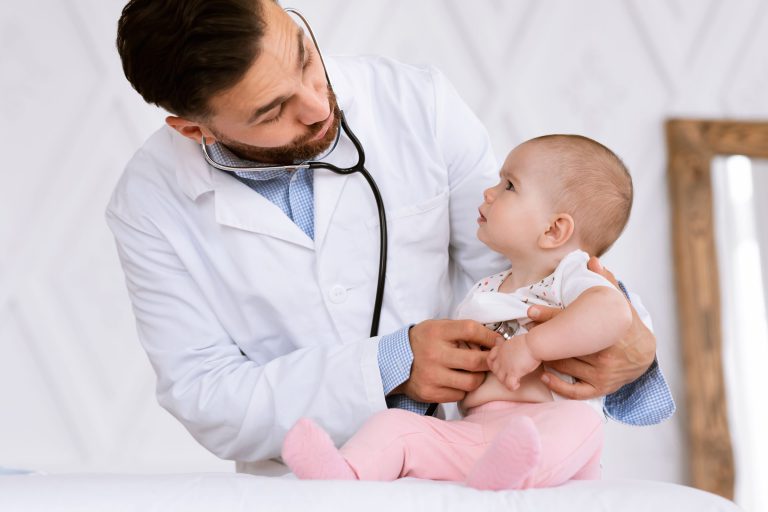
(608, 370)
(511, 360)
(443, 369)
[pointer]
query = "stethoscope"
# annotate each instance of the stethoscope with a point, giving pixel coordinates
(358, 167)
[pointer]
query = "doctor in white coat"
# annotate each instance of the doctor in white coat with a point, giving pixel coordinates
(251, 322)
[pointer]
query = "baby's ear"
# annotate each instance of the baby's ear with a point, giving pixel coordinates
(558, 232)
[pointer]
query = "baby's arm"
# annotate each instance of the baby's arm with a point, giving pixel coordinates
(595, 320)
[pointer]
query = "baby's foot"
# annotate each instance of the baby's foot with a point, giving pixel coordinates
(510, 458)
(310, 453)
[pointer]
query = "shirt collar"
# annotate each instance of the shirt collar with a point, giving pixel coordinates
(224, 155)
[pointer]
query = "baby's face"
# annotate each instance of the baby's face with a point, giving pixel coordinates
(517, 210)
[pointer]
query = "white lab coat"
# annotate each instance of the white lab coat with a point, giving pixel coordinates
(213, 268)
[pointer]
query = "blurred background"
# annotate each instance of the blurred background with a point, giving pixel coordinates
(76, 390)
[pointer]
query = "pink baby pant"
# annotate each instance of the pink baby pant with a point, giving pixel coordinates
(396, 443)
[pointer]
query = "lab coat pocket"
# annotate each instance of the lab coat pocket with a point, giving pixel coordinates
(417, 260)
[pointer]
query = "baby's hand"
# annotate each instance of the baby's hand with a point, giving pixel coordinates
(511, 360)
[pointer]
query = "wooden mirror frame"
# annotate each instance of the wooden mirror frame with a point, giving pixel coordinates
(692, 145)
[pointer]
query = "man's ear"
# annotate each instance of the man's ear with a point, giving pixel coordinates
(190, 129)
(558, 232)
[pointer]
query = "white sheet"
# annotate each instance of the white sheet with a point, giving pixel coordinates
(213, 492)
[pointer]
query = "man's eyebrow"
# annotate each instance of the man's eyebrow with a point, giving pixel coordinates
(300, 35)
(281, 99)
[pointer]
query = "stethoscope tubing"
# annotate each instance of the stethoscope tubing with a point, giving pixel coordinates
(383, 249)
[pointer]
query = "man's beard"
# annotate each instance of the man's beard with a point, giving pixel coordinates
(300, 150)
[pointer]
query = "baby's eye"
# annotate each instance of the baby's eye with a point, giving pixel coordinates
(510, 186)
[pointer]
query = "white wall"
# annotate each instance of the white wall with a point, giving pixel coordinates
(75, 389)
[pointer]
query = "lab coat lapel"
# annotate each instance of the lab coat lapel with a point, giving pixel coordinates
(237, 206)
(328, 187)
(240, 207)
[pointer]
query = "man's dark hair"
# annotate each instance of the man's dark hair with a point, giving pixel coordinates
(179, 53)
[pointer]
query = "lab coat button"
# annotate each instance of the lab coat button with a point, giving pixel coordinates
(337, 294)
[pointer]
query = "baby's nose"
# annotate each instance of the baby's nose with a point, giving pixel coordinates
(488, 195)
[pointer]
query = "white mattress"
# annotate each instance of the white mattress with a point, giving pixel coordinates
(239, 493)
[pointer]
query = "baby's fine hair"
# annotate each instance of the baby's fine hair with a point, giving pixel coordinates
(594, 187)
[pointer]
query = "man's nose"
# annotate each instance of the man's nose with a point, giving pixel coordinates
(313, 106)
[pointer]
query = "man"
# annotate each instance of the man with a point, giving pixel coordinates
(253, 291)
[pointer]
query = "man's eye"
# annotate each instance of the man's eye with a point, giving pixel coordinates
(510, 186)
(274, 118)
(308, 60)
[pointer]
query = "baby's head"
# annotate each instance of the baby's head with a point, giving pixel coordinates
(557, 193)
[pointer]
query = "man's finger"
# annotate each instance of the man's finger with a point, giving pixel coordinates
(578, 368)
(464, 381)
(462, 359)
(444, 395)
(579, 390)
(595, 266)
(540, 313)
(471, 332)
(444, 378)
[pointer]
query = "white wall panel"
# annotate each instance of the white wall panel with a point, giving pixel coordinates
(76, 392)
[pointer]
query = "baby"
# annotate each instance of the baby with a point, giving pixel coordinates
(559, 199)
